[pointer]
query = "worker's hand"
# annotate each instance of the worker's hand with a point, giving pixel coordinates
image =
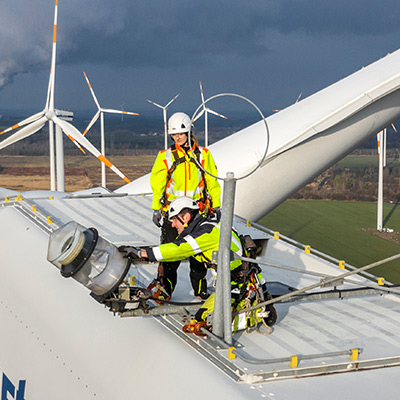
(143, 253)
(130, 252)
(217, 213)
(157, 218)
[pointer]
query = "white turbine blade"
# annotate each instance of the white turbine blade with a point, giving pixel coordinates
(157, 105)
(92, 91)
(201, 93)
(298, 98)
(92, 122)
(76, 144)
(199, 115)
(394, 128)
(24, 132)
(172, 101)
(26, 121)
(215, 113)
(69, 129)
(50, 90)
(110, 110)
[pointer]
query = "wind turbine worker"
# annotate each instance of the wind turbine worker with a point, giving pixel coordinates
(198, 237)
(175, 173)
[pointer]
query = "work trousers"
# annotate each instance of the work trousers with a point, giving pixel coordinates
(167, 272)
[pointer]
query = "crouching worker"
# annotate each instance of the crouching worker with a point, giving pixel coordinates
(199, 237)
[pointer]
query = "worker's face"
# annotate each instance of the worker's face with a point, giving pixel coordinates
(179, 223)
(180, 138)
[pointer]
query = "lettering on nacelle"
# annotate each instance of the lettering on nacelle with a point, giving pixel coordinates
(8, 389)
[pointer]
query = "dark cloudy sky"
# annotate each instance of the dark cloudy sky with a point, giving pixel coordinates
(269, 51)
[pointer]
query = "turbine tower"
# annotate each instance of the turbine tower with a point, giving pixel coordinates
(205, 111)
(100, 112)
(164, 108)
(381, 138)
(34, 123)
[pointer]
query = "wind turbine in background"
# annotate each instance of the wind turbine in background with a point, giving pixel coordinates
(164, 108)
(205, 111)
(381, 139)
(100, 112)
(34, 123)
(297, 100)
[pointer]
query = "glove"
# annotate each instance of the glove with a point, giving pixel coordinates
(157, 218)
(130, 252)
(217, 213)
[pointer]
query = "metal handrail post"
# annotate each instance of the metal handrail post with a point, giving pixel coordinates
(222, 319)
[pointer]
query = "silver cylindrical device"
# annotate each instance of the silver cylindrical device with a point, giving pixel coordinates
(91, 260)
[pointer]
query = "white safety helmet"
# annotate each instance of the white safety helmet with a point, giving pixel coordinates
(179, 204)
(179, 123)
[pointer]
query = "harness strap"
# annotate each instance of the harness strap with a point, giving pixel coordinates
(179, 160)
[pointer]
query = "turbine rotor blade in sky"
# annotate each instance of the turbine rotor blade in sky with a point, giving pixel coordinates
(215, 113)
(69, 129)
(206, 109)
(110, 110)
(50, 90)
(28, 120)
(199, 115)
(92, 91)
(24, 132)
(100, 109)
(153, 102)
(172, 100)
(92, 122)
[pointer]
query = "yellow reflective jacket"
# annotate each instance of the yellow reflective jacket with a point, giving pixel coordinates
(186, 178)
(199, 240)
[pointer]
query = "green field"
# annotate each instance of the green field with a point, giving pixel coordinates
(366, 161)
(336, 228)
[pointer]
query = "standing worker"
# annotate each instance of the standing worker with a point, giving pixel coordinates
(176, 173)
(199, 237)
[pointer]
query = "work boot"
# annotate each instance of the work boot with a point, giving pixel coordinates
(272, 313)
(202, 296)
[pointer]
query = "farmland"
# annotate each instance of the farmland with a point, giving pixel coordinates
(342, 229)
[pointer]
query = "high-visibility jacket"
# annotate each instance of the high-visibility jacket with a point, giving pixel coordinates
(186, 178)
(198, 240)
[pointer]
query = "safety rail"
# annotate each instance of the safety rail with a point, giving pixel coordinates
(307, 248)
(323, 283)
(33, 212)
(339, 279)
(244, 368)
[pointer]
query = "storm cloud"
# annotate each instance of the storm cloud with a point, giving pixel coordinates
(283, 47)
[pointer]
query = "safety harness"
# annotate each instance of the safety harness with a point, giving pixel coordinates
(179, 160)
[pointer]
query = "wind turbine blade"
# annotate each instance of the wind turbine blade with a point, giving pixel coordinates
(69, 129)
(26, 121)
(76, 143)
(394, 128)
(215, 113)
(157, 105)
(92, 91)
(110, 110)
(172, 100)
(24, 132)
(50, 90)
(92, 122)
(201, 93)
(299, 97)
(199, 115)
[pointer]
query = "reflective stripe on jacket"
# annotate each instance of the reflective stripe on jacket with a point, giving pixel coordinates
(198, 240)
(186, 179)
